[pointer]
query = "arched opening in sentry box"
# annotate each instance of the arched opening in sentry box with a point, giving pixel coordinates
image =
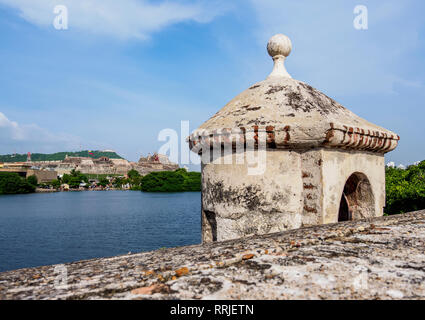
(357, 199)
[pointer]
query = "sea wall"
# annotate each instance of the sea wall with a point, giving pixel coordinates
(43, 176)
(377, 258)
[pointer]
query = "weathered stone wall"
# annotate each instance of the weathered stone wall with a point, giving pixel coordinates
(379, 258)
(245, 204)
(43, 175)
(297, 188)
(338, 166)
(312, 177)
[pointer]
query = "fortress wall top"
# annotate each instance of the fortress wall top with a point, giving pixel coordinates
(366, 259)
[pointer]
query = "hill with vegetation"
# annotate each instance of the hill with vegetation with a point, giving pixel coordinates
(58, 156)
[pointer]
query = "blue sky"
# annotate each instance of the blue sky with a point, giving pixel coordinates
(124, 70)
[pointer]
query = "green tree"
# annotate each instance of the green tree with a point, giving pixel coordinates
(65, 178)
(134, 179)
(192, 181)
(32, 180)
(74, 179)
(103, 182)
(12, 183)
(118, 182)
(133, 174)
(171, 181)
(405, 189)
(55, 184)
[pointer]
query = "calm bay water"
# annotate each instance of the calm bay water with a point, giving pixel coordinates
(44, 229)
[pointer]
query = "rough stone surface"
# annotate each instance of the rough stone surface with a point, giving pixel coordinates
(245, 205)
(380, 258)
(298, 116)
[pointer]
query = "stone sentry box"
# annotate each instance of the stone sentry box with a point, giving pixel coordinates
(322, 164)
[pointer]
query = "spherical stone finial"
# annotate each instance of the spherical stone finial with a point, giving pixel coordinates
(279, 47)
(279, 44)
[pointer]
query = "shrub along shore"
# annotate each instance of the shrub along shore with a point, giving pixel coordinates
(13, 183)
(164, 181)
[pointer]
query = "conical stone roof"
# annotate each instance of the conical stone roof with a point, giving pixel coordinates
(292, 114)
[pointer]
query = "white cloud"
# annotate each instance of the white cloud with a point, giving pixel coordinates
(30, 137)
(120, 18)
(391, 164)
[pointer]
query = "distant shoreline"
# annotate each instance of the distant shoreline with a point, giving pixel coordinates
(41, 190)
